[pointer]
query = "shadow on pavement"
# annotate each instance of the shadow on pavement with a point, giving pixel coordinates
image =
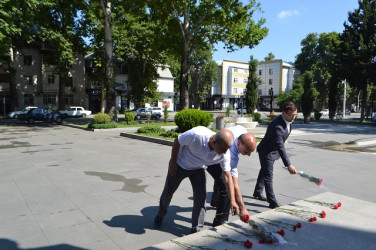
(12, 245)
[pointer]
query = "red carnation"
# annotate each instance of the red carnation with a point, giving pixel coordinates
(246, 218)
(248, 244)
(270, 241)
(282, 232)
(299, 225)
(262, 241)
(335, 206)
(323, 214)
(339, 204)
(294, 228)
(311, 220)
(314, 218)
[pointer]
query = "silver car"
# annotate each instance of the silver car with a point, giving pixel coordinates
(16, 114)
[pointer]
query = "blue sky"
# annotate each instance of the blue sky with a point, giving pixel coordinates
(289, 22)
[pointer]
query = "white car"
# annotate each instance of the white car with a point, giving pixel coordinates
(16, 114)
(75, 111)
(324, 112)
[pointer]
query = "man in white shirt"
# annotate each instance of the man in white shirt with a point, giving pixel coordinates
(245, 144)
(191, 152)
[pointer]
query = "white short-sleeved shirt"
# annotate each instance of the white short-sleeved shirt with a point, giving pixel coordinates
(195, 153)
(234, 150)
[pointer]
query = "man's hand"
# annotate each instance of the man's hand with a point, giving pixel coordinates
(172, 168)
(234, 208)
(292, 169)
(243, 212)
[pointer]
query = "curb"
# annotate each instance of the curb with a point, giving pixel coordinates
(148, 139)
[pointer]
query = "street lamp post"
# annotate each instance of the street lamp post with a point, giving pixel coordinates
(344, 99)
(271, 99)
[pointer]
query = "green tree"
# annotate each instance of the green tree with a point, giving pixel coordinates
(308, 56)
(270, 57)
(251, 96)
(359, 49)
(203, 72)
(308, 95)
(201, 24)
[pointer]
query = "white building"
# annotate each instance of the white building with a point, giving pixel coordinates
(233, 77)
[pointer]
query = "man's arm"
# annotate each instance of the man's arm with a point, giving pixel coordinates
(230, 191)
(172, 165)
(239, 197)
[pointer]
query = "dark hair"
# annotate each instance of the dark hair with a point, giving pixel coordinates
(288, 106)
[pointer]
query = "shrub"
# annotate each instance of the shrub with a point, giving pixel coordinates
(101, 118)
(102, 125)
(151, 129)
(165, 113)
(129, 117)
(257, 116)
(170, 133)
(129, 123)
(189, 118)
(228, 111)
(317, 115)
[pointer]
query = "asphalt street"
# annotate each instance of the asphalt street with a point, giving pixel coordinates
(67, 188)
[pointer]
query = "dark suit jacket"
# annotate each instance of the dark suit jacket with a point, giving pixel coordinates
(272, 146)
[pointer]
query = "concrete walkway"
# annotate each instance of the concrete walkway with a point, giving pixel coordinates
(67, 188)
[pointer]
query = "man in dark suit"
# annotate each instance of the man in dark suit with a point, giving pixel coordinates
(270, 149)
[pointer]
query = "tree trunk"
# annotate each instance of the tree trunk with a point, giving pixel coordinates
(184, 94)
(307, 119)
(364, 103)
(12, 84)
(61, 105)
(109, 71)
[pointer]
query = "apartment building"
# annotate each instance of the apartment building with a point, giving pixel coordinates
(276, 76)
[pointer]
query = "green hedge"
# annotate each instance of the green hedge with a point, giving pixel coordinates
(129, 117)
(152, 129)
(190, 118)
(101, 118)
(256, 116)
(102, 125)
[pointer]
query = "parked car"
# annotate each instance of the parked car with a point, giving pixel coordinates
(16, 114)
(347, 112)
(240, 111)
(324, 112)
(41, 114)
(141, 113)
(75, 111)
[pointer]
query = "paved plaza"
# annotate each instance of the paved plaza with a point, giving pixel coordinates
(68, 188)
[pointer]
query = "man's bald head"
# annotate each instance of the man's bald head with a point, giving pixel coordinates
(223, 140)
(247, 143)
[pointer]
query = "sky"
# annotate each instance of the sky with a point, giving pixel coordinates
(289, 22)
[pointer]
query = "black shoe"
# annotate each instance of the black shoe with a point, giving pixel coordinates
(158, 221)
(214, 204)
(274, 205)
(217, 222)
(259, 197)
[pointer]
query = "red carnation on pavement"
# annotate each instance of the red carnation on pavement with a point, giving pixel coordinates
(262, 241)
(294, 228)
(335, 206)
(248, 244)
(339, 204)
(299, 225)
(323, 214)
(314, 218)
(311, 219)
(282, 232)
(270, 241)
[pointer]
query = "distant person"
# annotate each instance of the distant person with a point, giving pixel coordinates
(270, 149)
(245, 144)
(191, 152)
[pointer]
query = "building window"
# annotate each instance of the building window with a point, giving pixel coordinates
(235, 79)
(4, 77)
(68, 99)
(270, 81)
(235, 69)
(235, 90)
(69, 82)
(28, 99)
(49, 99)
(259, 92)
(28, 80)
(96, 85)
(50, 79)
(27, 60)
(245, 80)
(260, 72)
(246, 71)
(48, 60)
(270, 71)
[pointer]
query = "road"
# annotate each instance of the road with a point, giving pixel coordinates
(69, 188)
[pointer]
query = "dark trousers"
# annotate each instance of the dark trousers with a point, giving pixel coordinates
(220, 196)
(265, 179)
(198, 181)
